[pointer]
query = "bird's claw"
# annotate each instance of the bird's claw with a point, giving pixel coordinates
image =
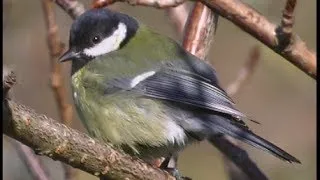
(175, 173)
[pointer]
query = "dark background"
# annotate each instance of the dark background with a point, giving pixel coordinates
(279, 95)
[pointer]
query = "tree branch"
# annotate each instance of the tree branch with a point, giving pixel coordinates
(59, 142)
(178, 16)
(73, 7)
(263, 30)
(199, 31)
(287, 21)
(9, 79)
(56, 48)
(152, 3)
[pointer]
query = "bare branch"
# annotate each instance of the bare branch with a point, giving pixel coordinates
(153, 3)
(262, 29)
(50, 138)
(9, 79)
(285, 29)
(56, 48)
(245, 72)
(31, 161)
(73, 7)
(178, 16)
(199, 31)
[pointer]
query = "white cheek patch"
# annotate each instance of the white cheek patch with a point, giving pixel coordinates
(109, 44)
(140, 78)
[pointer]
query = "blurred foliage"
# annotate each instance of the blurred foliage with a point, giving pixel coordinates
(279, 95)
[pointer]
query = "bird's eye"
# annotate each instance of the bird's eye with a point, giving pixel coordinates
(96, 39)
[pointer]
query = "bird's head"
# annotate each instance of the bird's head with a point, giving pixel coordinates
(97, 32)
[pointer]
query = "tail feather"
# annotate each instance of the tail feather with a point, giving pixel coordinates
(242, 133)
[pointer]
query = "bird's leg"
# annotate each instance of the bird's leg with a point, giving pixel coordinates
(170, 165)
(166, 162)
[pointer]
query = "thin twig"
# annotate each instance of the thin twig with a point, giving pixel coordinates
(9, 79)
(56, 48)
(73, 7)
(245, 72)
(285, 28)
(31, 161)
(50, 138)
(252, 22)
(178, 16)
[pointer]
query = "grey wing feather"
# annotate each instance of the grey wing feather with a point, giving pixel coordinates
(183, 87)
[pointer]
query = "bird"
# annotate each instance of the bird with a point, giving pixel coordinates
(146, 95)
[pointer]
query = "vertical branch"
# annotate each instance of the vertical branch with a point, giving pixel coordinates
(287, 16)
(178, 16)
(73, 7)
(285, 28)
(56, 48)
(199, 31)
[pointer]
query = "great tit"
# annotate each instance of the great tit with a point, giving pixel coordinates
(142, 92)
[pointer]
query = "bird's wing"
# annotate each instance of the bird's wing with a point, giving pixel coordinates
(180, 86)
(193, 90)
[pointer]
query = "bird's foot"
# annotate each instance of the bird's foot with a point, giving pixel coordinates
(175, 173)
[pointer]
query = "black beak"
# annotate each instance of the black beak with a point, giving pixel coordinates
(69, 55)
